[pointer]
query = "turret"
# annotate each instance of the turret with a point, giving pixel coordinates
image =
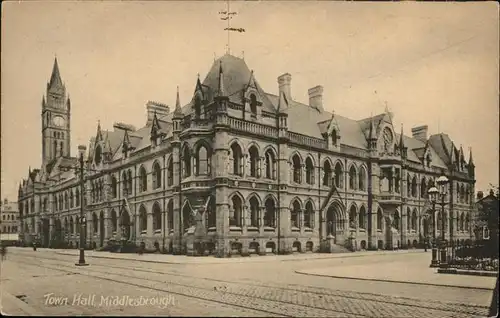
(178, 116)
(402, 148)
(471, 167)
(282, 116)
(372, 138)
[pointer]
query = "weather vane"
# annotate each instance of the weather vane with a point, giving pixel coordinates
(227, 16)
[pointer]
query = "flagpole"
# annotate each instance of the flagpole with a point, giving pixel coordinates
(228, 26)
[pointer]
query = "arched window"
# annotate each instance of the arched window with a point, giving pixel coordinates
(143, 219)
(187, 162)
(362, 218)
(143, 180)
(270, 214)
(66, 201)
(254, 212)
(414, 187)
(414, 221)
(297, 169)
(253, 105)
(71, 225)
(156, 175)
(462, 193)
(237, 159)
(352, 178)
(170, 215)
(309, 171)
(309, 216)
(170, 172)
(211, 217)
(71, 200)
(270, 165)
(114, 221)
(352, 217)
(236, 211)
(327, 170)
(55, 148)
(156, 216)
(254, 161)
(202, 161)
(95, 223)
(423, 185)
(396, 220)
(339, 176)
(362, 179)
(398, 181)
(408, 185)
(295, 214)
(129, 180)
(98, 155)
(466, 223)
(77, 197)
(462, 221)
(408, 218)
(334, 137)
(114, 189)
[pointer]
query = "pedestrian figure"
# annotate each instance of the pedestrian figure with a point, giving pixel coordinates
(4, 252)
(425, 245)
(34, 246)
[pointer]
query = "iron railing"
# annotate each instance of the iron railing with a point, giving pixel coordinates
(479, 255)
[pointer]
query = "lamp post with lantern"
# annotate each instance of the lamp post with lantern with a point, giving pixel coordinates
(81, 260)
(439, 193)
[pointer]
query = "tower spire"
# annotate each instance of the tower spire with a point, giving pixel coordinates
(222, 91)
(55, 77)
(471, 162)
(178, 110)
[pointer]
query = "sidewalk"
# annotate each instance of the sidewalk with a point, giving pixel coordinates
(415, 272)
(12, 306)
(202, 260)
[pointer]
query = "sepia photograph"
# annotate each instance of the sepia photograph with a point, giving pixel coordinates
(250, 158)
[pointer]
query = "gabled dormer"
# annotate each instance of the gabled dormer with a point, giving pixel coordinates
(333, 134)
(156, 135)
(402, 150)
(199, 100)
(127, 146)
(252, 99)
(282, 116)
(372, 137)
(427, 155)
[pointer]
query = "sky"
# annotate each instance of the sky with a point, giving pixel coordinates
(430, 63)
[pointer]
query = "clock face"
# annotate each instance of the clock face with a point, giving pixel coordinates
(387, 137)
(58, 121)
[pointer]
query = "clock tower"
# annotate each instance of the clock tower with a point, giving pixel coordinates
(56, 110)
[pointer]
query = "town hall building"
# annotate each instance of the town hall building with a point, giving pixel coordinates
(235, 169)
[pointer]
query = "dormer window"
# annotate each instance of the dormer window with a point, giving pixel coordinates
(334, 137)
(253, 105)
(98, 155)
(428, 160)
(197, 106)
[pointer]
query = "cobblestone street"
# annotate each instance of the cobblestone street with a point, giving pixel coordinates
(53, 285)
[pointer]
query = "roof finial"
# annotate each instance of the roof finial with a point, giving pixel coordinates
(221, 81)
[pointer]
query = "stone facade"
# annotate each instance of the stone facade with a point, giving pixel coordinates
(9, 217)
(240, 170)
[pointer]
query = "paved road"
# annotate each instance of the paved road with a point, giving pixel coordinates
(53, 285)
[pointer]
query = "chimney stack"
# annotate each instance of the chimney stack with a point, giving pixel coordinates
(161, 110)
(420, 133)
(284, 82)
(316, 97)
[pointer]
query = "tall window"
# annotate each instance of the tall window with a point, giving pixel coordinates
(95, 223)
(327, 170)
(414, 221)
(114, 189)
(380, 219)
(71, 200)
(71, 225)
(339, 176)
(77, 197)
(414, 187)
(170, 172)
(143, 180)
(254, 212)
(156, 217)
(143, 219)
(197, 106)
(295, 214)
(395, 222)
(66, 201)
(237, 159)
(236, 211)
(211, 217)
(156, 175)
(309, 215)
(202, 161)
(125, 183)
(352, 178)
(352, 217)
(170, 215)
(187, 162)
(362, 179)
(270, 165)
(297, 169)
(362, 218)
(270, 213)
(114, 221)
(334, 137)
(309, 171)
(423, 185)
(254, 161)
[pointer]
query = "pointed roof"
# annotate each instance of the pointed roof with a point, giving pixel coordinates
(373, 131)
(55, 78)
(401, 141)
(178, 109)
(221, 92)
(471, 162)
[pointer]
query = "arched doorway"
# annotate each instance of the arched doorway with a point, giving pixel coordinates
(334, 220)
(125, 224)
(101, 229)
(388, 232)
(187, 217)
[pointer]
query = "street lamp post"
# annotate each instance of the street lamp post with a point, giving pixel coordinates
(434, 192)
(81, 260)
(432, 195)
